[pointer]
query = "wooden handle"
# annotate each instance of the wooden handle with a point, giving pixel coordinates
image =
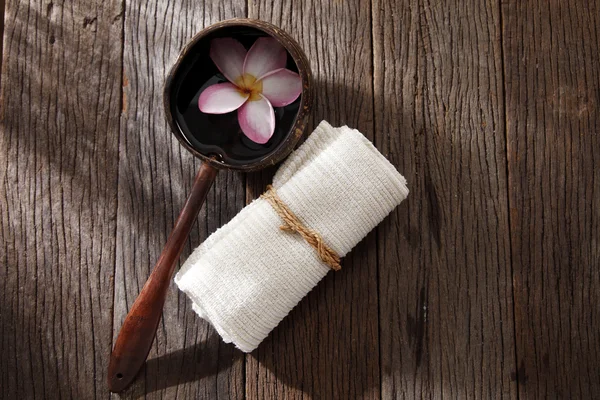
(139, 328)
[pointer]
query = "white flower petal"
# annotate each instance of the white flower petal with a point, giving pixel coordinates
(265, 55)
(221, 98)
(281, 87)
(257, 120)
(228, 55)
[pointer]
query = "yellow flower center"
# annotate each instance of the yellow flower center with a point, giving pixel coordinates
(247, 84)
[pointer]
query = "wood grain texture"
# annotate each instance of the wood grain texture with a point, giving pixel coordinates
(446, 320)
(551, 53)
(2, 8)
(188, 359)
(489, 108)
(328, 346)
(58, 180)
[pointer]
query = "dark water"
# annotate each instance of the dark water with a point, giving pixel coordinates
(221, 134)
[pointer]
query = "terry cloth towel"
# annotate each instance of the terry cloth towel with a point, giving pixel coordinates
(248, 275)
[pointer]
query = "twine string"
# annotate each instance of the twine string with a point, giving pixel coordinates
(293, 224)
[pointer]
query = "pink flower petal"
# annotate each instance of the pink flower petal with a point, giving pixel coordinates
(265, 55)
(221, 98)
(257, 120)
(281, 87)
(228, 55)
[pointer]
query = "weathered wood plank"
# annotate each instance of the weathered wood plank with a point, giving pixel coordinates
(444, 256)
(188, 359)
(328, 346)
(58, 186)
(551, 53)
(2, 9)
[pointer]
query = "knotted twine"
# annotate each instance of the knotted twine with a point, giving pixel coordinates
(293, 224)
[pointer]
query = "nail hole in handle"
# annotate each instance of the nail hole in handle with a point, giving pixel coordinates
(119, 376)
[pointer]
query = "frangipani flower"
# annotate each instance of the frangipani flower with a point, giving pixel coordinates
(258, 81)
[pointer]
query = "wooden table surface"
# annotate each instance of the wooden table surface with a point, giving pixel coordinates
(485, 283)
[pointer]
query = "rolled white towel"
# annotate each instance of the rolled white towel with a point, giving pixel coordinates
(248, 275)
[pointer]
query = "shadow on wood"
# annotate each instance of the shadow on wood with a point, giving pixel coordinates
(190, 364)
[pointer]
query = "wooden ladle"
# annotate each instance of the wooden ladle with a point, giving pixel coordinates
(219, 142)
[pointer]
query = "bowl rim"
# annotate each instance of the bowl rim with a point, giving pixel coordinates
(306, 100)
